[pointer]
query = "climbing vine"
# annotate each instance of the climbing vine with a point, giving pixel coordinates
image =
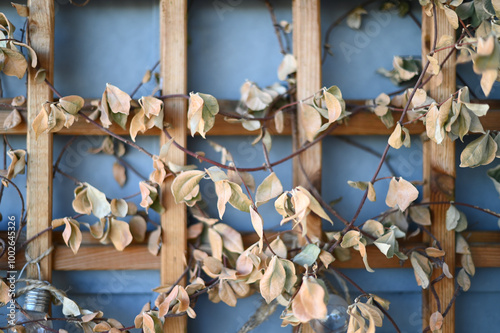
(290, 267)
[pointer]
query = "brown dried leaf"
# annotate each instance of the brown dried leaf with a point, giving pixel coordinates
(71, 104)
(231, 238)
(22, 10)
(279, 121)
(195, 230)
(278, 247)
(420, 215)
(273, 281)
(118, 100)
(434, 252)
(154, 241)
(72, 235)
(14, 64)
(258, 225)
(4, 292)
(13, 119)
(40, 76)
(185, 183)
(120, 234)
(309, 302)
(17, 164)
(138, 227)
(224, 192)
(436, 321)
(269, 188)
(334, 107)
(215, 241)
(152, 106)
(119, 207)
(137, 124)
(41, 122)
(226, 293)
(288, 66)
(119, 174)
(401, 193)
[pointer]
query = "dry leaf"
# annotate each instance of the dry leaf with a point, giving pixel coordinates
(12, 120)
(215, 241)
(401, 193)
(118, 100)
(231, 238)
(119, 174)
(273, 281)
(436, 321)
(333, 105)
(154, 241)
(138, 227)
(269, 188)
(309, 302)
(22, 10)
(288, 66)
(311, 121)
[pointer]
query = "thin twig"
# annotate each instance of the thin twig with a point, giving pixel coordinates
(276, 26)
(364, 292)
(66, 146)
(141, 83)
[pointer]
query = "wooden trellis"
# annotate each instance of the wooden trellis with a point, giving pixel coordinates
(439, 161)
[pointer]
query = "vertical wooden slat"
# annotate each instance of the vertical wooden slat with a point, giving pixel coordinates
(439, 176)
(173, 60)
(39, 174)
(307, 51)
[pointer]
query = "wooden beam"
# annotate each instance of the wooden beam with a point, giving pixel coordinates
(363, 123)
(439, 174)
(307, 51)
(485, 247)
(39, 170)
(173, 62)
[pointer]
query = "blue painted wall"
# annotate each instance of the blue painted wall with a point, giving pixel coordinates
(231, 41)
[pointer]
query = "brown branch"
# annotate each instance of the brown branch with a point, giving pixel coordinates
(276, 26)
(381, 308)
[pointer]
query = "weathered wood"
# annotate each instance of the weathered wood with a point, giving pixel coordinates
(363, 123)
(485, 247)
(439, 174)
(39, 170)
(307, 51)
(173, 62)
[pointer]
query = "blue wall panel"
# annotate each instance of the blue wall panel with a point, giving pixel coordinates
(231, 41)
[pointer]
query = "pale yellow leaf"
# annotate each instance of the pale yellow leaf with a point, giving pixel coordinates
(231, 238)
(269, 188)
(273, 281)
(118, 100)
(12, 120)
(215, 241)
(138, 226)
(120, 234)
(309, 302)
(258, 225)
(288, 66)
(334, 107)
(119, 174)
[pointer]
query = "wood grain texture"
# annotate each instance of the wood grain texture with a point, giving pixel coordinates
(485, 247)
(439, 174)
(173, 62)
(363, 123)
(307, 52)
(39, 171)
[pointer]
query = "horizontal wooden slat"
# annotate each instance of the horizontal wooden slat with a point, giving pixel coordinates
(134, 257)
(485, 247)
(364, 123)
